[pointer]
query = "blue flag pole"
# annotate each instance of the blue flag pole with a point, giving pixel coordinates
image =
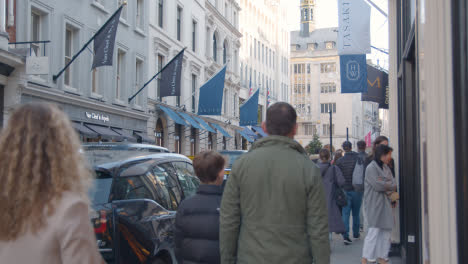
(55, 77)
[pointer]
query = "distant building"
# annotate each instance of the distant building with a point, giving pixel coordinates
(209, 31)
(316, 87)
(264, 51)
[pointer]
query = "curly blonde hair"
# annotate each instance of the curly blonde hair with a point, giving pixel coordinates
(39, 159)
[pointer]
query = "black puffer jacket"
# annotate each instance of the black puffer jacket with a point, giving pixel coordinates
(197, 227)
(346, 165)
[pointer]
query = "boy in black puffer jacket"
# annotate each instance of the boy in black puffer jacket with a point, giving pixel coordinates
(197, 220)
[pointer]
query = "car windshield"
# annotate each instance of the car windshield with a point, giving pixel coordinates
(100, 191)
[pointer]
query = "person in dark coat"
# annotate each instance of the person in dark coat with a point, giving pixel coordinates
(197, 220)
(347, 164)
(331, 176)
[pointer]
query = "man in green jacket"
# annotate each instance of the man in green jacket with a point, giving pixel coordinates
(273, 208)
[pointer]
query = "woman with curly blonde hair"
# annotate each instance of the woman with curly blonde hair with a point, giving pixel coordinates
(43, 190)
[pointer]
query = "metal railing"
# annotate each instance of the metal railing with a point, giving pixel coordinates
(44, 42)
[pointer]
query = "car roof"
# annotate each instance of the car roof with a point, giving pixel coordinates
(158, 157)
(233, 151)
(122, 146)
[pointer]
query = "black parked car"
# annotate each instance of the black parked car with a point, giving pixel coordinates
(134, 203)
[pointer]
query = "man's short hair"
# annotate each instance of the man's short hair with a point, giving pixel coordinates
(207, 165)
(280, 119)
(324, 154)
(347, 146)
(361, 145)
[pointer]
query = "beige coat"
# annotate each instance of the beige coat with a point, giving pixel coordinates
(67, 238)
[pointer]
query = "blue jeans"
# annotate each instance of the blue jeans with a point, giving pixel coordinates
(354, 205)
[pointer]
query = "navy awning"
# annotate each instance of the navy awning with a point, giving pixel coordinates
(220, 129)
(246, 135)
(104, 132)
(260, 131)
(127, 135)
(190, 120)
(83, 130)
(173, 115)
(204, 124)
(144, 137)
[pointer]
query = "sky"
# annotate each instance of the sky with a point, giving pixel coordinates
(327, 16)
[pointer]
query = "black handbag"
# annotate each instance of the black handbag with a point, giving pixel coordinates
(339, 194)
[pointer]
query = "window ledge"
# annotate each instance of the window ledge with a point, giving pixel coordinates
(119, 103)
(71, 90)
(137, 107)
(39, 80)
(124, 22)
(97, 96)
(100, 7)
(140, 32)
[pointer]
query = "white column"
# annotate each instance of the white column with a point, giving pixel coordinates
(11, 14)
(3, 34)
(2, 15)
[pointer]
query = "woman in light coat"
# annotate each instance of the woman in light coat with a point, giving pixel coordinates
(379, 184)
(331, 176)
(43, 204)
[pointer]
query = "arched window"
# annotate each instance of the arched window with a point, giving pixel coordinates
(224, 52)
(215, 48)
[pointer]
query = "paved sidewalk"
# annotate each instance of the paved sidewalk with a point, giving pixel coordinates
(351, 254)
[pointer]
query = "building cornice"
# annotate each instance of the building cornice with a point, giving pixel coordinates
(221, 18)
(61, 97)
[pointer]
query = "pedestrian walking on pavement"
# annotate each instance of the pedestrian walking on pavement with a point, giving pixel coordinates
(347, 164)
(380, 140)
(273, 208)
(332, 177)
(363, 159)
(197, 219)
(380, 186)
(338, 155)
(44, 190)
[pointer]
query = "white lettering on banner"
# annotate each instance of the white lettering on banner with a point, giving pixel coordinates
(353, 70)
(106, 47)
(174, 77)
(99, 117)
(346, 24)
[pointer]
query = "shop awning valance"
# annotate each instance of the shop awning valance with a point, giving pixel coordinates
(189, 119)
(260, 131)
(204, 124)
(104, 132)
(144, 137)
(220, 129)
(127, 135)
(175, 117)
(81, 129)
(248, 134)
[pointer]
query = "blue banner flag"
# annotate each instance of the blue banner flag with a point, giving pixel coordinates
(353, 73)
(211, 95)
(377, 87)
(249, 111)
